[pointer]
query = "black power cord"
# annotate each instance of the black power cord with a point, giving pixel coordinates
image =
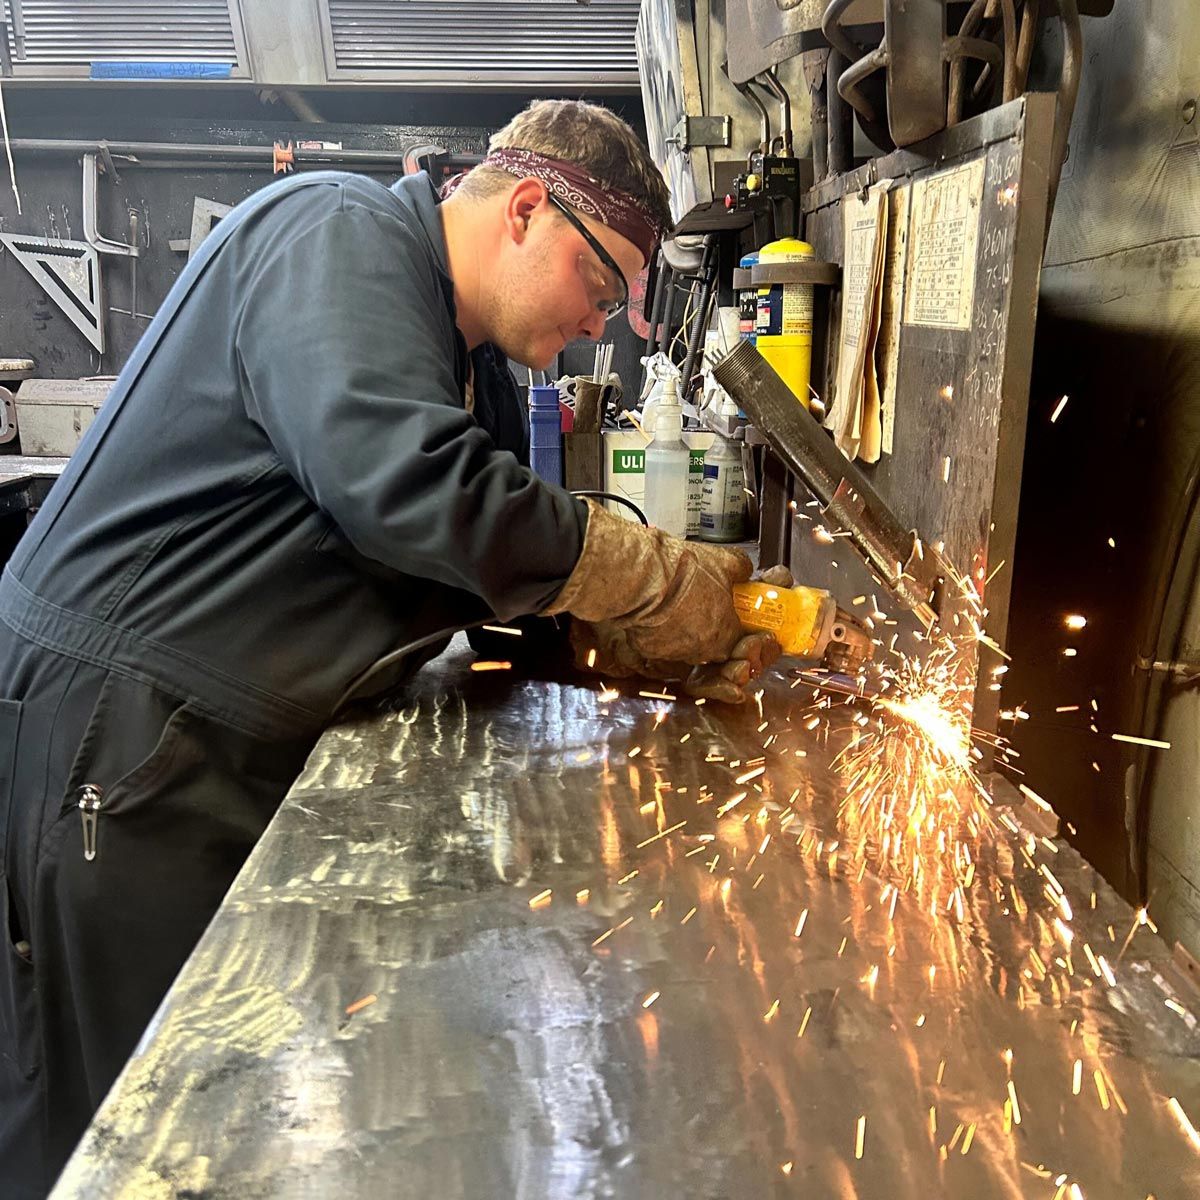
(641, 516)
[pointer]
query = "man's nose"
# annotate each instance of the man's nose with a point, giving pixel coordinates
(592, 326)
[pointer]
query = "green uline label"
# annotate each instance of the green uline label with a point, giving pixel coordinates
(633, 462)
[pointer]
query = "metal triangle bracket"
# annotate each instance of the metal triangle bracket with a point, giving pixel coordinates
(69, 273)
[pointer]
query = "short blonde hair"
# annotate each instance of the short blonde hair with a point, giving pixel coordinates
(589, 136)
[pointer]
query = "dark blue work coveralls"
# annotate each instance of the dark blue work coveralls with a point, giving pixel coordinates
(283, 488)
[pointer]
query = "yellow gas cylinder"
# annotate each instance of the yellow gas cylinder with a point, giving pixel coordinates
(784, 325)
(799, 617)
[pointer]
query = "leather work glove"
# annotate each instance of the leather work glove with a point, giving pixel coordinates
(674, 599)
(616, 657)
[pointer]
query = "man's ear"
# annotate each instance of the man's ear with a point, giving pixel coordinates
(524, 200)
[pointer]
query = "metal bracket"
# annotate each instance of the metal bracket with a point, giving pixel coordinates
(691, 132)
(17, 18)
(8, 416)
(205, 214)
(69, 273)
(91, 218)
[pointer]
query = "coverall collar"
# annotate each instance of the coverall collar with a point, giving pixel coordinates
(418, 195)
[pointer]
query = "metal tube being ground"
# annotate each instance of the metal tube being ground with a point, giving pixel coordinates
(891, 550)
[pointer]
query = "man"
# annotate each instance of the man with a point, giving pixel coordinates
(303, 467)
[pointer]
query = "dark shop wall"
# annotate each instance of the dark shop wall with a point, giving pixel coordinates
(162, 196)
(119, 108)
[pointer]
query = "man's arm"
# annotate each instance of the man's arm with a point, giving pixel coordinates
(344, 345)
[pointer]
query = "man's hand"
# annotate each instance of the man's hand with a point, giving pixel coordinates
(673, 599)
(607, 649)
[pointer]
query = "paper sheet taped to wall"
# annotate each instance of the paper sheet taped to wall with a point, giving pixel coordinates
(854, 418)
(895, 260)
(944, 233)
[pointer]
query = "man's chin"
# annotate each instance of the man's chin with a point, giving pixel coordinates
(534, 357)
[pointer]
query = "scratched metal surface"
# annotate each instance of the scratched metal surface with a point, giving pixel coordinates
(509, 1055)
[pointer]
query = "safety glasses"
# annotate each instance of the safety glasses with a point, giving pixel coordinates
(614, 291)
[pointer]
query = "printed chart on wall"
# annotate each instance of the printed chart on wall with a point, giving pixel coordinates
(943, 236)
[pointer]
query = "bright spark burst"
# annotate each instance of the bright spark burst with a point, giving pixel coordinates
(913, 802)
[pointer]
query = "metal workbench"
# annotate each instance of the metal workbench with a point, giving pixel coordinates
(388, 1004)
(25, 481)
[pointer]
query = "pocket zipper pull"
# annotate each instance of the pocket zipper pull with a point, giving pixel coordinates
(90, 799)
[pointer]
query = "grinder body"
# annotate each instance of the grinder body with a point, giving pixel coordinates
(806, 622)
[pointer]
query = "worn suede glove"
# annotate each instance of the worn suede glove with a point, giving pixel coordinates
(616, 658)
(673, 599)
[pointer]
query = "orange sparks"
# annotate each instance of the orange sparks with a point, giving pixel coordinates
(1075, 622)
(1016, 1108)
(541, 899)
(1153, 743)
(359, 1005)
(491, 666)
(609, 932)
(1058, 409)
(661, 834)
(860, 1137)
(650, 999)
(1188, 1128)
(969, 1138)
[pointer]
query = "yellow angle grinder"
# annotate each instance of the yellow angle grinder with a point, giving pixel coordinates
(807, 623)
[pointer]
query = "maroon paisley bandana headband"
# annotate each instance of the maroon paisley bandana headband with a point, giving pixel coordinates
(574, 186)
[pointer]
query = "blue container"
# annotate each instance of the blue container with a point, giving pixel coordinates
(748, 302)
(545, 434)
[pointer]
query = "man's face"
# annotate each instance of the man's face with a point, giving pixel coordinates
(554, 287)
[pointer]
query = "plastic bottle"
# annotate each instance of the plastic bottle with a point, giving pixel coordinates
(695, 490)
(748, 301)
(723, 501)
(545, 434)
(667, 466)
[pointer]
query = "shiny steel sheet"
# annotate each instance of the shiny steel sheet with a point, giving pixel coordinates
(653, 1026)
